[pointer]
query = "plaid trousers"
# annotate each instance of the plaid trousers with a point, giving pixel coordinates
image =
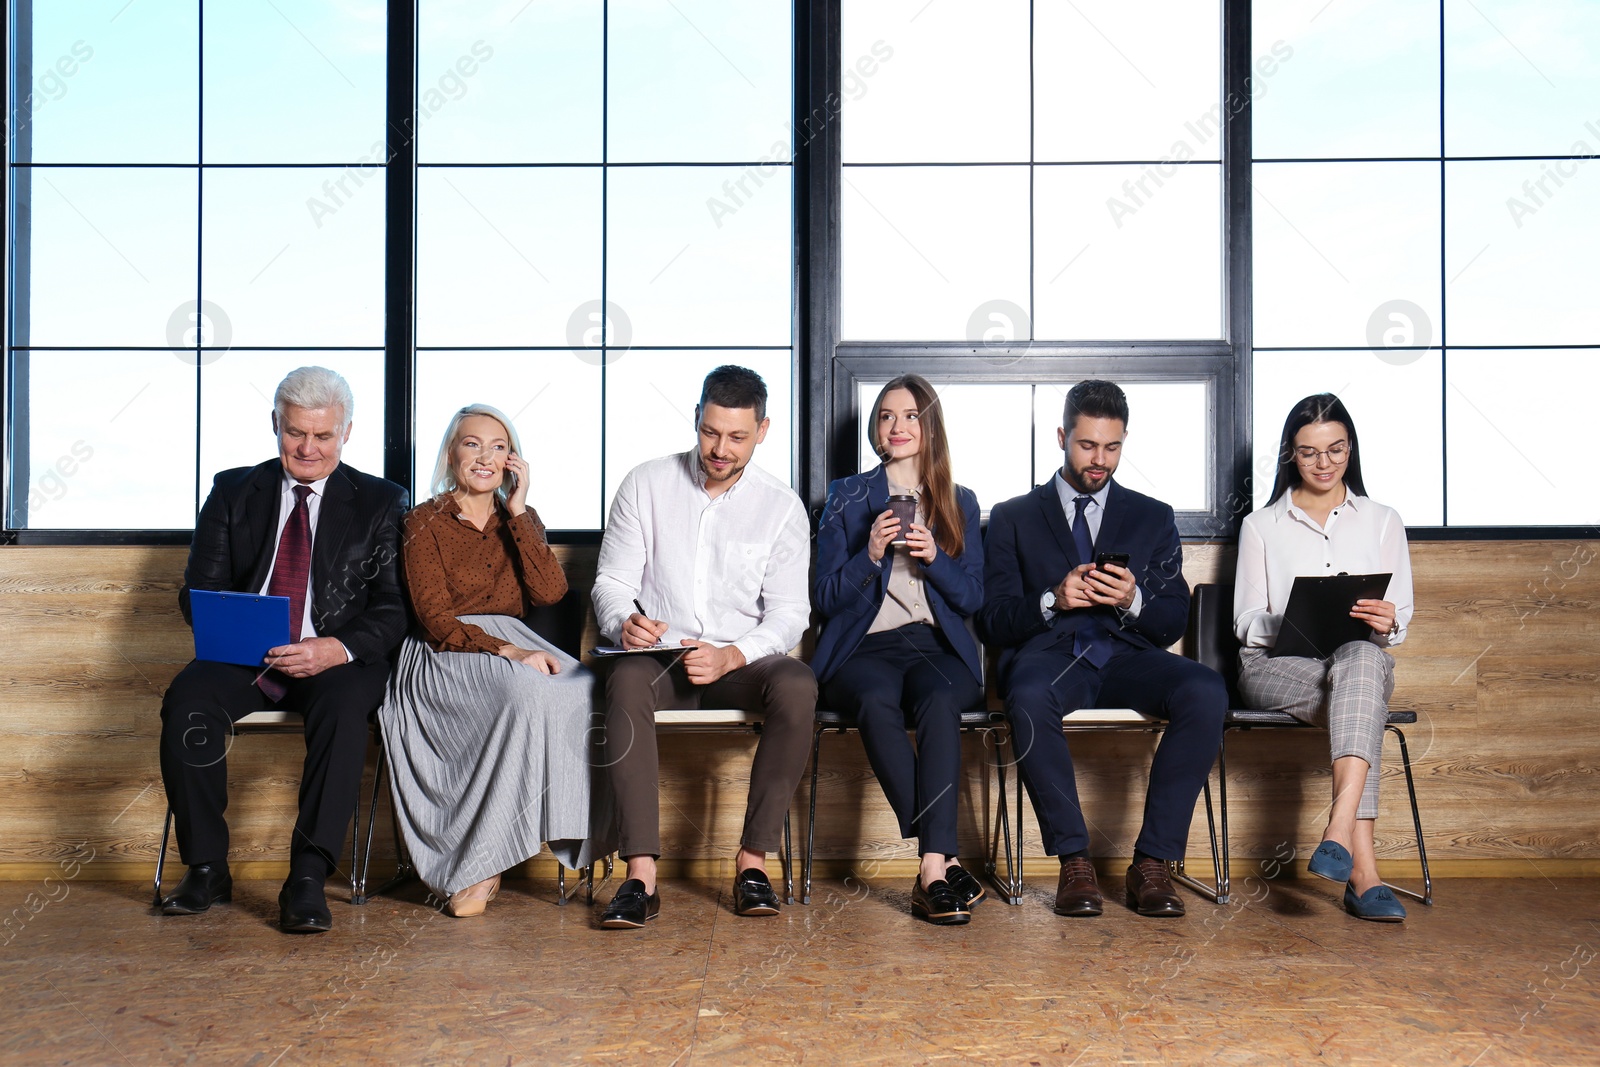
(1348, 693)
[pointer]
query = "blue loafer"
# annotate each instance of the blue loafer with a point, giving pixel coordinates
(1377, 904)
(1332, 861)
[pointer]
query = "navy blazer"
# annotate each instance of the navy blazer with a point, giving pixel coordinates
(355, 578)
(849, 587)
(1030, 549)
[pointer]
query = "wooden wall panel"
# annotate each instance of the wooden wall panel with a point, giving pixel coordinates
(1503, 667)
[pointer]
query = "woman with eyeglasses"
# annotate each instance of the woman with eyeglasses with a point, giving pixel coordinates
(1320, 522)
(895, 589)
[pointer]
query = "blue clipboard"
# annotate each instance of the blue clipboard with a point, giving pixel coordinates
(238, 627)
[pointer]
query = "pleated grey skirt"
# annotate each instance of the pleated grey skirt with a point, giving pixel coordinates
(490, 758)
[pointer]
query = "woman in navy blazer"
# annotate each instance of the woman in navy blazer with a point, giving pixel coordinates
(895, 645)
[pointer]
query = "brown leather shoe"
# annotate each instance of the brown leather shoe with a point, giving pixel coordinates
(1150, 890)
(1078, 894)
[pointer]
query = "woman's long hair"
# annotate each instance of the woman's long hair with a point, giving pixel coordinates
(938, 488)
(1323, 407)
(444, 475)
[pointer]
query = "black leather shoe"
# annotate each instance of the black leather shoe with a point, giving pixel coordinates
(631, 908)
(1151, 892)
(938, 904)
(303, 906)
(752, 893)
(1077, 892)
(203, 885)
(966, 886)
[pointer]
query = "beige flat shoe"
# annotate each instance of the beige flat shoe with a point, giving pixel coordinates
(465, 903)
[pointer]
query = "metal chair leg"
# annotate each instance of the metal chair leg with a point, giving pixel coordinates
(1010, 887)
(788, 862)
(1426, 896)
(161, 858)
(359, 894)
(811, 819)
(1217, 892)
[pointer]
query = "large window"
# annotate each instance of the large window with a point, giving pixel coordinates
(572, 209)
(167, 262)
(1425, 205)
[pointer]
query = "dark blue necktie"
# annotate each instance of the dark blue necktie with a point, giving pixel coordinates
(1090, 641)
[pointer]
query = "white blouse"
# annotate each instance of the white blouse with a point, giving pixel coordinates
(1280, 543)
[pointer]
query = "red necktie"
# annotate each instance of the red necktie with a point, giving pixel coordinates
(291, 572)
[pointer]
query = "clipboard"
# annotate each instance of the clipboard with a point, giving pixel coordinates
(1317, 620)
(609, 651)
(238, 627)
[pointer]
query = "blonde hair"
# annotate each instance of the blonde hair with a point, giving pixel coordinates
(444, 475)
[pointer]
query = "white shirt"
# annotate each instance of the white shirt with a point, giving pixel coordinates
(285, 506)
(730, 569)
(1281, 542)
(1093, 512)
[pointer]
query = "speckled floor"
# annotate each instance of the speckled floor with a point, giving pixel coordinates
(1497, 972)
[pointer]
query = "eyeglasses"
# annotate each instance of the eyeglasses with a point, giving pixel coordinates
(1306, 456)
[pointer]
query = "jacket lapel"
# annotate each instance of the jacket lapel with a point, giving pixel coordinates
(261, 518)
(1111, 521)
(333, 525)
(1050, 503)
(877, 492)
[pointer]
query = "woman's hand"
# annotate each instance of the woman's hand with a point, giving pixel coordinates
(1378, 614)
(543, 662)
(517, 499)
(884, 529)
(920, 541)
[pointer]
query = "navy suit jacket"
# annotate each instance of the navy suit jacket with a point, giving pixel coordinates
(355, 578)
(849, 587)
(1030, 549)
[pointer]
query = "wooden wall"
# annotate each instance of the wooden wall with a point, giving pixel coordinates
(1502, 665)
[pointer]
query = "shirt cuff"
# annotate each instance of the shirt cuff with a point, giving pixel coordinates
(348, 658)
(1137, 606)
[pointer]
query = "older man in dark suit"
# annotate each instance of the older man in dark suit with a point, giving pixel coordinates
(308, 527)
(1077, 635)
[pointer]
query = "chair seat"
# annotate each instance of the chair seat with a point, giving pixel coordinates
(830, 719)
(711, 717)
(1101, 717)
(1254, 717)
(267, 720)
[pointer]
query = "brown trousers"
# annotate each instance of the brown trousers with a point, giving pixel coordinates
(781, 687)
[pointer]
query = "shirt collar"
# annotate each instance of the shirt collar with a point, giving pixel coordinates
(1284, 506)
(1068, 493)
(691, 461)
(318, 487)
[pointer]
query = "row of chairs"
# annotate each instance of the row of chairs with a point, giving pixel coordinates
(1210, 640)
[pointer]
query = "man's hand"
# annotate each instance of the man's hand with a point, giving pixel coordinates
(705, 662)
(308, 658)
(1073, 591)
(640, 632)
(543, 662)
(1111, 585)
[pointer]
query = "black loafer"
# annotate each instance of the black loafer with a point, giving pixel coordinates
(966, 886)
(203, 885)
(752, 893)
(303, 906)
(938, 904)
(631, 908)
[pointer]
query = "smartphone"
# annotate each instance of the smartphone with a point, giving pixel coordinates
(1119, 558)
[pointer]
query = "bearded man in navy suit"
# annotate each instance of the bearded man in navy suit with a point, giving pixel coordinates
(1075, 635)
(309, 527)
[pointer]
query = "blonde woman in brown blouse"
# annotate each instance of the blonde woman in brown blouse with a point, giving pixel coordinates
(487, 724)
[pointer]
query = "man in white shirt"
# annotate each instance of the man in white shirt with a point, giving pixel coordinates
(705, 553)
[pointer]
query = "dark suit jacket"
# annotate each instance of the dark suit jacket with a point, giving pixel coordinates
(849, 587)
(355, 571)
(1030, 549)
